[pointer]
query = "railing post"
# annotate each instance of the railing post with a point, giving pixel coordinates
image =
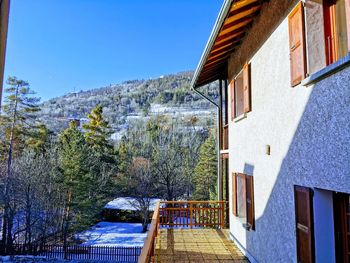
(191, 215)
(222, 214)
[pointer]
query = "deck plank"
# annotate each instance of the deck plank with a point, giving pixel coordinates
(196, 245)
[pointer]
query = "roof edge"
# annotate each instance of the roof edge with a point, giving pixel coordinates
(225, 8)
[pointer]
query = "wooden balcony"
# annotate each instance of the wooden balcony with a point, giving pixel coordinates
(184, 231)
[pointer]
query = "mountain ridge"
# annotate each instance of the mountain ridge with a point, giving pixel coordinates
(166, 95)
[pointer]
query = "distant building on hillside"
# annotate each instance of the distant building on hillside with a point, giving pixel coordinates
(79, 122)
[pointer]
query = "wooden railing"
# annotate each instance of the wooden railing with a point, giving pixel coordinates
(147, 252)
(225, 137)
(182, 214)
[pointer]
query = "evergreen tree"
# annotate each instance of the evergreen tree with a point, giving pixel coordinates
(103, 167)
(205, 173)
(17, 120)
(98, 131)
(74, 161)
(17, 125)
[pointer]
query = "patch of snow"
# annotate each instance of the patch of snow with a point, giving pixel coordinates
(114, 234)
(129, 203)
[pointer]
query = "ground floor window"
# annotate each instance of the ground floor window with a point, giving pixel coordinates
(243, 199)
(341, 205)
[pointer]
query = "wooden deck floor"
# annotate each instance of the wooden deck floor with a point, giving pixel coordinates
(196, 245)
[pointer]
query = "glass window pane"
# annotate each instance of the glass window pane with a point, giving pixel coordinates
(341, 28)
(241, 197)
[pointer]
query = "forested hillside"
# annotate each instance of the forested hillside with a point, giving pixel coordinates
(55, 184)
(129, 101)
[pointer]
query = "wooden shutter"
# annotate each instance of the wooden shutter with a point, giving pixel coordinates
(232, 91)
(304, 224)
(246, 88)
(347, 12)
(250, 202)
(297, 45)
(234, 194)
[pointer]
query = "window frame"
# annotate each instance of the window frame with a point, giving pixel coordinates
(246, 91)
(330, 30)
(249, 223)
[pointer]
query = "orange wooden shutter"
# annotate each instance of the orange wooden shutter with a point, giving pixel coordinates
(234, 194)
(246, 88)
(297, 45)
(347, 12)
(250, 202)
(232, 91)
(304, 224)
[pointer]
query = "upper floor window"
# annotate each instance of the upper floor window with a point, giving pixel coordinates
(336, 17)
(335, 28)
(240, 89)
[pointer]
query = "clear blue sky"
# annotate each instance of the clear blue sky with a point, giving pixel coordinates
(59, 45)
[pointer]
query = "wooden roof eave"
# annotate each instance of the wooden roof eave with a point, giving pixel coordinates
(235, 19)
(225, 8)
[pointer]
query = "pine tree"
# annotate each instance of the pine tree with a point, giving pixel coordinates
(17, 124)
(98, 131)
(205, 173)
(74, 162)
(103, 167)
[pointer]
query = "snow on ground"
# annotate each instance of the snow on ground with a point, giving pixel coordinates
(129, 203)
(114, 234)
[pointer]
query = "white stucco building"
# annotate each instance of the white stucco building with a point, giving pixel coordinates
(284, 126)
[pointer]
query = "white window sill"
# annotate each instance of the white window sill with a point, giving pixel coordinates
(224, 151)
(240, 117)
(327, 71)
(243, 221)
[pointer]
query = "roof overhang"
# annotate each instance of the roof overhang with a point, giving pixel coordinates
(234, 20)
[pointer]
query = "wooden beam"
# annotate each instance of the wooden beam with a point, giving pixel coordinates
(215, 62)
(226, 50)
(219, 58)
(243, 3)
(218, 54)
(203, 82)
(232, 19)
(232, 34)
(238, 24)
(221, 47)
(229, 41)
(241, 11)
(206, 67)
(4, 17)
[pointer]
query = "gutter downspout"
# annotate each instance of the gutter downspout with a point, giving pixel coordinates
(218, 143)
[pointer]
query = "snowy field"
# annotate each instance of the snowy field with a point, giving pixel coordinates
(114, 234)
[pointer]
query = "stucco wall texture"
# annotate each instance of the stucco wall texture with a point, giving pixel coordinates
(308, 129)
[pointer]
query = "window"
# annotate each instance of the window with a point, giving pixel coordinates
(243, 198)
(335, 28)
(341, 206)
(297, 45)
(241, 93)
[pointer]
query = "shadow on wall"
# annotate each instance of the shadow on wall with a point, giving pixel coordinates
(248, 169)
(318, 157)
